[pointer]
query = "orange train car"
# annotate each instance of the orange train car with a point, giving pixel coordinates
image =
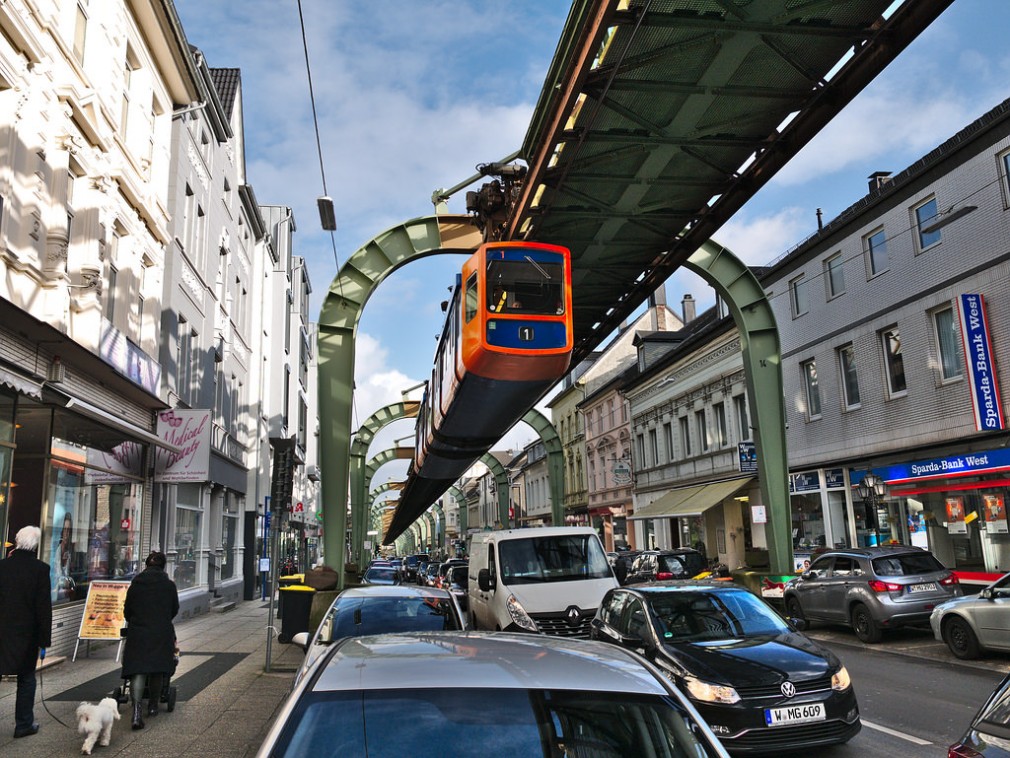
(507, 340)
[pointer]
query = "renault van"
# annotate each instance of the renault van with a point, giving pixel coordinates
(544, 581)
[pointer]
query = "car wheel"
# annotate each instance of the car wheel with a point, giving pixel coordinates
(864, 626)
(794, 609)
(961, 639)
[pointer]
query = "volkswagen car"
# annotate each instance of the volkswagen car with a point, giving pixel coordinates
(759, 683)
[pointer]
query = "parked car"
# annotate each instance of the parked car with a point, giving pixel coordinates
(458, 584)
(427, 577)
(358, 611)
(408, 566)
(485, 695)
(659, 565)
(759, 683)
(443, 570)
(871, 589)
(381, 575)
(988, 734)
(974, 623)
(623, 563)
(419, 573)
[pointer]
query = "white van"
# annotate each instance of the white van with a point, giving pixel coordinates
(547, 581)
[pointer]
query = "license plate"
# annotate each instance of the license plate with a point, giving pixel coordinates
(930, 587)
(794, 714)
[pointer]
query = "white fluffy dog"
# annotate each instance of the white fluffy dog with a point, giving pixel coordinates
(95, 721)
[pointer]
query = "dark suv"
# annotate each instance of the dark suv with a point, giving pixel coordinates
(659, 565)
(871, 589)
(408, 567)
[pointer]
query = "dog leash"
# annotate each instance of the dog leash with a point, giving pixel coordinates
(42, 699)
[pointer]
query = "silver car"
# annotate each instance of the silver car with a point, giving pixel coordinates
(485, 695)
(871, 589)
(975, 623)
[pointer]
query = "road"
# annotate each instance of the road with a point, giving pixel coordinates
(914, 696)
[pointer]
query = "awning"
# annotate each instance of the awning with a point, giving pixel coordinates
(20, 384)
(103, 416)
(691, 501)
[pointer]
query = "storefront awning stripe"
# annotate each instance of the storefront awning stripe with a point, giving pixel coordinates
(20, 384)
(691, 501)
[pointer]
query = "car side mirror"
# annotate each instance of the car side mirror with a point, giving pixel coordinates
(302, 640)
(986, 594)
(484, 580)
(799, 624)
(808, 575)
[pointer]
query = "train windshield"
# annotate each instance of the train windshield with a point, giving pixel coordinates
(526, 286)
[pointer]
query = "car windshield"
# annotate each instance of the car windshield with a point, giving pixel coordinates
(552, 559)
(676, 565)
(701, 616)
(487, 723)
(380, 575)
(909, 564)
(354, 617)
(458, 575)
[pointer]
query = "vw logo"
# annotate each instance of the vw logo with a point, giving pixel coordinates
(788, 689)
(573, 615)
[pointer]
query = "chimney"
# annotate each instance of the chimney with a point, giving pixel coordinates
(878, 179)
(659, 309)
(688, 307)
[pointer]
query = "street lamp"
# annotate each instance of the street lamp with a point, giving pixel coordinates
(872, 490)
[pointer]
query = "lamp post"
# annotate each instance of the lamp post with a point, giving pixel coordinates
(872, 490)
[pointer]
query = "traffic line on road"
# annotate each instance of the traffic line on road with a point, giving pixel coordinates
(895, 733)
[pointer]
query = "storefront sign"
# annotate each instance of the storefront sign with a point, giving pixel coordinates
(969, 464)
(979, 359)
(995, 514)
(805, 482)
(955, 516)
(622, 472)
(103, 611)
(129, 359)
(748, 457)
(834, 478)
(189, 430)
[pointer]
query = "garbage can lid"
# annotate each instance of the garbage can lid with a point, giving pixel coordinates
(297, 588)
(295, 577)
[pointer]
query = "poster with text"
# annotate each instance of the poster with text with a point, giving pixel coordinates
(995, 514)
(955, 516)
(103, 611)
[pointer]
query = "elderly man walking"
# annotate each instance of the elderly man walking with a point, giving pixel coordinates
(26, 622)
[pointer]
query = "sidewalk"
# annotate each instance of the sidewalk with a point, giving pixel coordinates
(226, 701)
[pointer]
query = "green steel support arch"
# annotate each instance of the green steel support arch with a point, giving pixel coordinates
(759, 342)
(374, 464)
(439, 524)
(501, 483)
(555, 462)
(457, 493)
(359, 451)
(432, 530)
(364, 270)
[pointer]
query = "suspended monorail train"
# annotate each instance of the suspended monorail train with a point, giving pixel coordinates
(507, 340)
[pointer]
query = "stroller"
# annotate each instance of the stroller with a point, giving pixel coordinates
(168, 694)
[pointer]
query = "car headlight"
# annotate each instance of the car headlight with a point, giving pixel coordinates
(841, 681)
(519, 614)
(710, 693)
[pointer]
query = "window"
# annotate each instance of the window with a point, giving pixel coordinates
(685, 436)
(471, 298)
(110, 297)
(876, 252)
(654, 447)
(1005, 166)
(925, 215)
(834, 275)
(798, 295)
(184, 360)
(742, 422)
(812, 390)
(850, 383)
(721, 433)
(948, 343)
(701, 426)
(894, 361)
(668, 440)
(640, 443)
(80, 32)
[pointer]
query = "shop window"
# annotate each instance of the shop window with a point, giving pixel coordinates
(188, 535)
(229, 530)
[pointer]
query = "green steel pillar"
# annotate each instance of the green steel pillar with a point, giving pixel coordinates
(363, 271)
(759, 342)
(555, 462)
(501, 483)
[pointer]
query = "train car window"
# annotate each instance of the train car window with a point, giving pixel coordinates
(472, 301)
(526, 286)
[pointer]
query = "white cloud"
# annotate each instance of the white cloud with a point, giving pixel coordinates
(760, 239)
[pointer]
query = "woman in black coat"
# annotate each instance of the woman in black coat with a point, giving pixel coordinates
(26, 621)
(152, 601)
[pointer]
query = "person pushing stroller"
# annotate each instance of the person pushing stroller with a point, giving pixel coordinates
(149, 656)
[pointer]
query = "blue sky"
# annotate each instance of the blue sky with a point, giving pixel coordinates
(412, 95)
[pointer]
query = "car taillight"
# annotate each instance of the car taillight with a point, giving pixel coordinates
(664, 575)
(949, 582)
(962, 751)
(878, 586)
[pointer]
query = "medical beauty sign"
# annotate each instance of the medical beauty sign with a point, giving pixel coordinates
(979, 359)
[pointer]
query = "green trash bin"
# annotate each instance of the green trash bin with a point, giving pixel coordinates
(296, 605)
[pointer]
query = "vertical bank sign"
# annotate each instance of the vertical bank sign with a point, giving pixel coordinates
(188, 430)
(981, 364)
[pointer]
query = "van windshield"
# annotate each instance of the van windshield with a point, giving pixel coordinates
(560, 558)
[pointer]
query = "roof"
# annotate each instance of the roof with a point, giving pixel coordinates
(483, 659)
(396, 590)
(227, 82)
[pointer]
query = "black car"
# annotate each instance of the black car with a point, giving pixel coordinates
(457, 582)
(761, 685)
(408, 566)
(658, 565)
(988, 735)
